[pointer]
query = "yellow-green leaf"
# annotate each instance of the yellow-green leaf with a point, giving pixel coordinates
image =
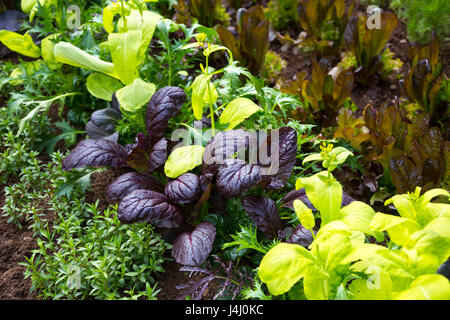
(183, 159)
(22, 44)
(135, 95)
(237, 111)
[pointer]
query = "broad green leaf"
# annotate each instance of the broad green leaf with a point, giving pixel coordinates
(312, 157)
(199, 88)
(304, 214)
(358, 216)
(108, 16)
(69, 54)
(135, 95)
(183, 159)
(441, 226)
(429, 195)
(47, 50)
(315, 284)
(237, 111)
(399, 229)
(146, 23)
(330, 249)
(124, 53)
(283, 266)
(377, 287)
(27, 5)
(102, 86)
(324, 193)
(22, 44)
(426, 287)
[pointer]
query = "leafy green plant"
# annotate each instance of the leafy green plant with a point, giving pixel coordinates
(423, 17)
(339, 252)
(251, 47)
(207, 12)
(282, 14)
(367, 45)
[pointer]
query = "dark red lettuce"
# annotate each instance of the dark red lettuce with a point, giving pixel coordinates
(164, 105)
(131, 181)
(193, 248)
(95, 153)
(149, 206)
(264, 214)
(184, 189)
(236, 177)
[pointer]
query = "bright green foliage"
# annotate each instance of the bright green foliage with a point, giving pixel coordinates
(331, 157)
(282, 13)
(22, 44)
(339, 251)
(423, 17)
(420, 220)
(237, 111)
(183, 159)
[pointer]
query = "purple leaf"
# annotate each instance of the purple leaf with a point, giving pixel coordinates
(236, 176)
(95, 153)
(264, 214)
(137, 153)
(158, 156)
(183, 189)
(301, 236)
(281, 149)
(11, 20)
(193, 248)
(223, 146)
(131, 181)
(150, 206)
(163, 105)
(103, 123)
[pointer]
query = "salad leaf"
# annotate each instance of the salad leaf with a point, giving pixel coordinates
(184, 189)
(264, 214)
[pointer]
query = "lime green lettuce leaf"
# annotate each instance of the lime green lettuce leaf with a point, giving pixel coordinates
(135, 95)
(358, 216)
(69, 54)
(200, 94)
(324, 194)
(237, 111)
(22, 44)
(377, 287)
(47, 50)
(146, 23)
(183, 159)
(283, 266)
(102, 86)
(426, 287)
(399, 229)
(124, 53)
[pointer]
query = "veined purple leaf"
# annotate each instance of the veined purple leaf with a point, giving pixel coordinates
(264, 214)
(223, 146)
(131, 181)
(149, 206)
(95, 153)
(301, 236)
(236, 176)
(103, 123)
(158, 156)
(183, 189)
(164, 104)
(280, 150)
(193, 248)
(138, 153)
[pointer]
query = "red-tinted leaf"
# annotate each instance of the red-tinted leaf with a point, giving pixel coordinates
(158, 156)
(131, 181)
(163, 105)
(193, 248)
(138, 153)
(183, 189)
(236, 177)
(301, 236)
(95, 153)
(149, 206)
(264, 214)
(405, 174)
